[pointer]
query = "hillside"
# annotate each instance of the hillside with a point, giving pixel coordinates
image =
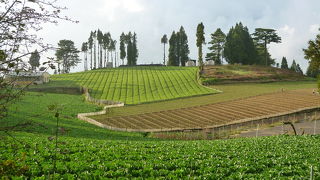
(245, 73)
(86, 151)
(135, 85)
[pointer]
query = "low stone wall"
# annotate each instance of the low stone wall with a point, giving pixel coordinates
(107, 104)
(307, 114)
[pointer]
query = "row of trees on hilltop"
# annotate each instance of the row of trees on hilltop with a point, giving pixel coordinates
(237, 46)
(102, 50)
(100, 47)
(294, 66)
(128, 48)
(179, 49)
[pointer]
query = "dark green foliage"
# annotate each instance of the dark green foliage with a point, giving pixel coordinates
(34, 60)
(173, 58)
(179, 49)
(279, 157)
(67, 55)
(299, 70)
(312, 70)
(200, 41)
(293, 66)
(218, 39)
(164, 41)
(312, 53)
(183, 47)
(239, 46)
(263, 37)
(132, 50)
(284, 63)
(296, 67)
(261, 60)
(123, 53)
(129, 49)
(135, 52)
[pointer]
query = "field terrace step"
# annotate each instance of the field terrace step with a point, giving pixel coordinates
(218, 114)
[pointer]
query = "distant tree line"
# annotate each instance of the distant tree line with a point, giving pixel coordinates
(101, 48)
(128, 48)
(103, 52)
(238, 46)
(179, 49)
(294, 66)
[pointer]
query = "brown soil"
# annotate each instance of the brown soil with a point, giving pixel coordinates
(217, 114)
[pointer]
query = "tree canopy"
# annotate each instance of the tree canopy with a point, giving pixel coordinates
(284, 63)
(164, 41)
(200, 41)
(312, 54)
(239, 46)
(34, 60)
(67, 55)
(173, 58)
(264, 37)
(179, 48)
(218, 39)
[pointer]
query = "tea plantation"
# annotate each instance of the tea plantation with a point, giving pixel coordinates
(135, 85)
(88, 152)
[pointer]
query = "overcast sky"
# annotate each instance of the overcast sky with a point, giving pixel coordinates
(296, 21)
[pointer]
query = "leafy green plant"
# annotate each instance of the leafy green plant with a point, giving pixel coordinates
(136, 85)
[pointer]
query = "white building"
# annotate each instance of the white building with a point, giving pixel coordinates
(190, 63)
(29, 77)
(209, 63)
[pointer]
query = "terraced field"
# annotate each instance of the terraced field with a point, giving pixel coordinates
(218, 113)
(135, 85)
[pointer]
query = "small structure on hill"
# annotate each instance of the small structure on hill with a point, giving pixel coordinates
(209, 63)
(191, 63)
(109, 65)
(28, 77)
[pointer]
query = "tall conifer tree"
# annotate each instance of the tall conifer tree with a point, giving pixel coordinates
(200, 41)
(218, 38)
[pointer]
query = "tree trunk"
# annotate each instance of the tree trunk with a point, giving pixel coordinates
(265, 50)
(200, 55)
(164, 53)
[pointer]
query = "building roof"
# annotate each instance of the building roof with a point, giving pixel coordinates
(27, 74)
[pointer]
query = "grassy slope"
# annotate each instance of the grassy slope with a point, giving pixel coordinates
(135, 85)
(88, 151)
(230, 92)
(242, 73)
(34, 108)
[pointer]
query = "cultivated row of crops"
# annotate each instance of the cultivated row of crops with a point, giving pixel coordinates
(134, 85)
(281, 157)
(219, 113)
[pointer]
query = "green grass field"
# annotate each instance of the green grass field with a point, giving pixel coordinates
(229, 92)
(136, 85)
(86, 151)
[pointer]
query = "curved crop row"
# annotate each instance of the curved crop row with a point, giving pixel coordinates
(135, 85)
(219, 113)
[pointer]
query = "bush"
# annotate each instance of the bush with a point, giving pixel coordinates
(209, 81)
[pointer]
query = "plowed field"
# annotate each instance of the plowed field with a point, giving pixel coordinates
(218, 113)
